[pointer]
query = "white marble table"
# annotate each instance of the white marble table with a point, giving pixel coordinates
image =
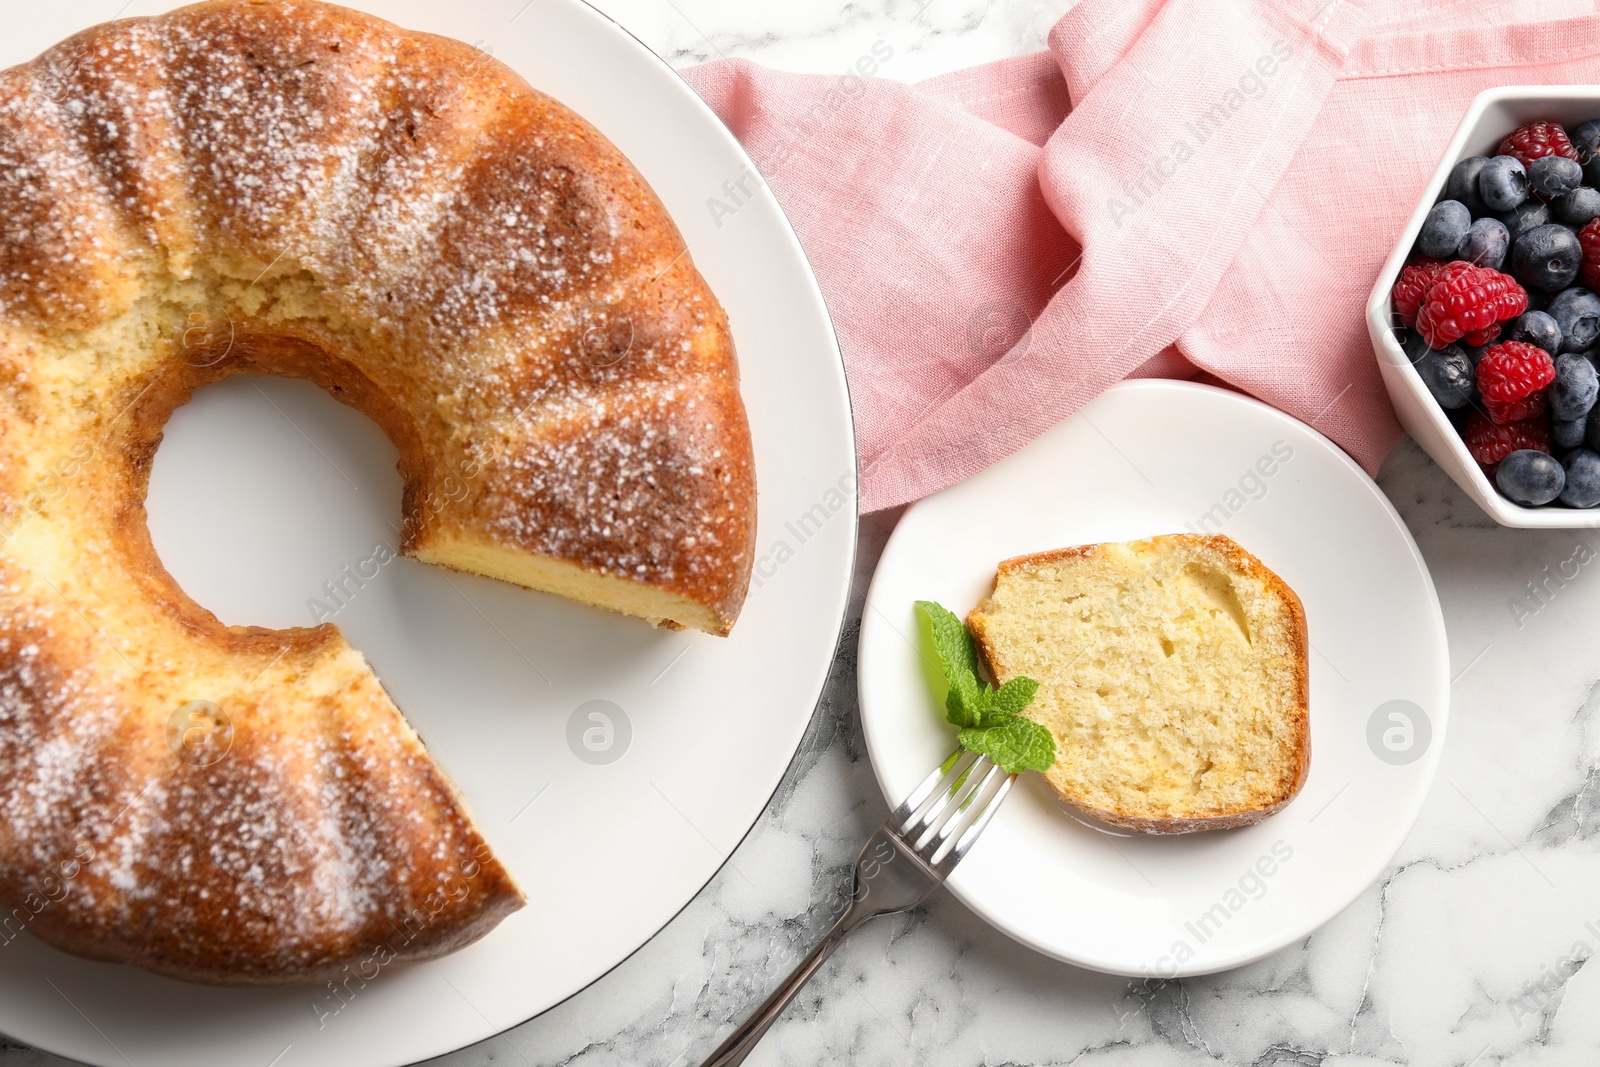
(1472, 949)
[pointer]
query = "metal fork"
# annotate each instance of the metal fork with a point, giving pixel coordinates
(908, 858)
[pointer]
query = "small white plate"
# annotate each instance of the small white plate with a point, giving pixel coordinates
(611, 824)
(1153, 457)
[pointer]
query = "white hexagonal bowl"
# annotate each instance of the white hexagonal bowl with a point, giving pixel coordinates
(1493, 114)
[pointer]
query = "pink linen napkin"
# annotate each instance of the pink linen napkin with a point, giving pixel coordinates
(1175, 188)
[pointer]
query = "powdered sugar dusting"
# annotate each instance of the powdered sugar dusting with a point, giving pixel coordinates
(497, 274)
(299, 848)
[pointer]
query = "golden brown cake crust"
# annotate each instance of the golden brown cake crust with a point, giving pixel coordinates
(289, 187)
(1299, 721)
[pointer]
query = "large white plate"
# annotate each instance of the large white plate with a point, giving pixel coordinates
(1160, 457)
(255, 507)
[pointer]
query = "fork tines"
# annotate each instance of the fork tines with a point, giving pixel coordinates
(944, 815)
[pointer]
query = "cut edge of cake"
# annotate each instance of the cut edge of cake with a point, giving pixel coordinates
(546, 574)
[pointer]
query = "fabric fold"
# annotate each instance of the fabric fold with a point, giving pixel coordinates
(1174, 187)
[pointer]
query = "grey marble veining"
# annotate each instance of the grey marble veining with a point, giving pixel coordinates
(930, 36)
(1473, 948)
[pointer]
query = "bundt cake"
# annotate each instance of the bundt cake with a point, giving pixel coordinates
(287, 187)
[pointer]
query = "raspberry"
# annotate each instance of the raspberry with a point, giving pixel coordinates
(1489, 443)
(1538, 139)
(1465, 301)
(1512, 377)
(1416, 278)
(1589, 241)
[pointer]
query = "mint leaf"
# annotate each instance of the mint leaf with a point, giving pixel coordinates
(968, 697)
(1009, 700)
(1017, 744)
(951, 640)
(990, 719)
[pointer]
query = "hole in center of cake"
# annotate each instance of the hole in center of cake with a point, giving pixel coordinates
(272, 504)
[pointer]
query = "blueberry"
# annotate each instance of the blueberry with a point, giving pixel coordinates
(1485, 243)
(1573, 392)
(1568, 433)
(1536, 328)
(1577, 207)
(1577, 312)
(1463, 184)
(1591, 435)
(1582, 488)
(1411, 343)
(1448, 374)
(1443, 229)
(1585, 137)
(1530, 478)
(1551, 176)
(1525, 216)
(1546, 257)
(1503, 183)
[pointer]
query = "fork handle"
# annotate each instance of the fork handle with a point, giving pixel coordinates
(739, 1043)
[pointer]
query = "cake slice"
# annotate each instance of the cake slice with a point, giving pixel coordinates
(1172, 672)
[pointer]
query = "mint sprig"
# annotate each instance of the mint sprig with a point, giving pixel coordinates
(990, 720)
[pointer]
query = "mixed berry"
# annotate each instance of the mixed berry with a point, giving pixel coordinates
(1500, 313)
